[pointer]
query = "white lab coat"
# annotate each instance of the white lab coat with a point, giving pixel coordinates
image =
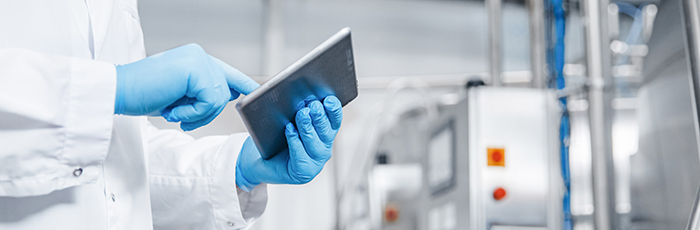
(66, 162)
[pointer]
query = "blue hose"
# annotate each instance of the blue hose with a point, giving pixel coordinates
(565, 127)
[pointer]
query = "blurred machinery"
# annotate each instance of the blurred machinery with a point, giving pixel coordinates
(644, 80)
(489, 158)
(486, 159)
(665, 173)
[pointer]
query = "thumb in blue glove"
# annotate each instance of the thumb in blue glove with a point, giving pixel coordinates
(184, 85)
(309, 148)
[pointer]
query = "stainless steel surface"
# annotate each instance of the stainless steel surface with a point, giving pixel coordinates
(450, 208)
(495, 22)
(600, 113)
(665, 172)
(538, 55)
(523, 122)
(691, 14)
(694, 222)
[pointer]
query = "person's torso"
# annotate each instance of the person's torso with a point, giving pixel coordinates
(104, 30)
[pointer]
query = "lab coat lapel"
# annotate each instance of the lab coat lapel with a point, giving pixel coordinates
(101, 12)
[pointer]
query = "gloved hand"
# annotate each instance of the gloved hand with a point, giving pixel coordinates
(309, 148)
(184, 84)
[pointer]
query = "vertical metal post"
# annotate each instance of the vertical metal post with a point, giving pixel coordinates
(600, 113)
(538, 54)
(493, 8)
(691, 15)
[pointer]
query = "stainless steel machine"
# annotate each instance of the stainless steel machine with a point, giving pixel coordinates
(490, 158)
(488, 161)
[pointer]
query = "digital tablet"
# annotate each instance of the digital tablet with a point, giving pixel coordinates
(329, 69)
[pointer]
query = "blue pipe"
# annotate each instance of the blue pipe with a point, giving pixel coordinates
(565, 127)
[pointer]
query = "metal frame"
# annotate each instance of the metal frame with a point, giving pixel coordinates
(600, 113)
(447, 185)
(495, 29)
(538, 72)
(538, 54)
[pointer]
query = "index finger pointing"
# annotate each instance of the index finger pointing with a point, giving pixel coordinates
(236, 79)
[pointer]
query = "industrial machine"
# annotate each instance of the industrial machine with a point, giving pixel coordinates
(491, 157)
(490, 160)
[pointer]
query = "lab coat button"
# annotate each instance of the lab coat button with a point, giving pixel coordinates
(114, 198)
(230, 224)
(77, 172)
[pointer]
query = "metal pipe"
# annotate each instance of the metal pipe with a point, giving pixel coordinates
(649, 13)
(691, 15)
(614, 21)
(493, 8)
(600, 113)
(538, 54)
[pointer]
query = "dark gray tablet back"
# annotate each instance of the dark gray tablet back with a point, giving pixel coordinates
(265, 113)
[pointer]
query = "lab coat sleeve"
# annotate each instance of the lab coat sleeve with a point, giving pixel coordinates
(193, 182)
(56, 116)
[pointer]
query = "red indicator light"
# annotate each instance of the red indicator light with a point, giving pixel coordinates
(391, 213)
(497, 156)
(499, 194)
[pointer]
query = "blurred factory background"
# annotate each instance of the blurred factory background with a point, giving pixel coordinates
(614, 147)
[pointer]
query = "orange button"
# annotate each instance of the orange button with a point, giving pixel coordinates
(496, 157)
(499, 194)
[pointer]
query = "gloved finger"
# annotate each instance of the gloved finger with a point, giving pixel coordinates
(312, 143)
(225, 90)
(189, 126)
(321, 122)
(222, 101)
(298, 156)
(183, 101)
(293, 141)
(207, 99)
(295, 146)
(234, 94)
(165, 113)
(237, 80)
(334, 111)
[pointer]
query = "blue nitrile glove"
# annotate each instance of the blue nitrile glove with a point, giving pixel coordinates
(184, 84)
(309, 148)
